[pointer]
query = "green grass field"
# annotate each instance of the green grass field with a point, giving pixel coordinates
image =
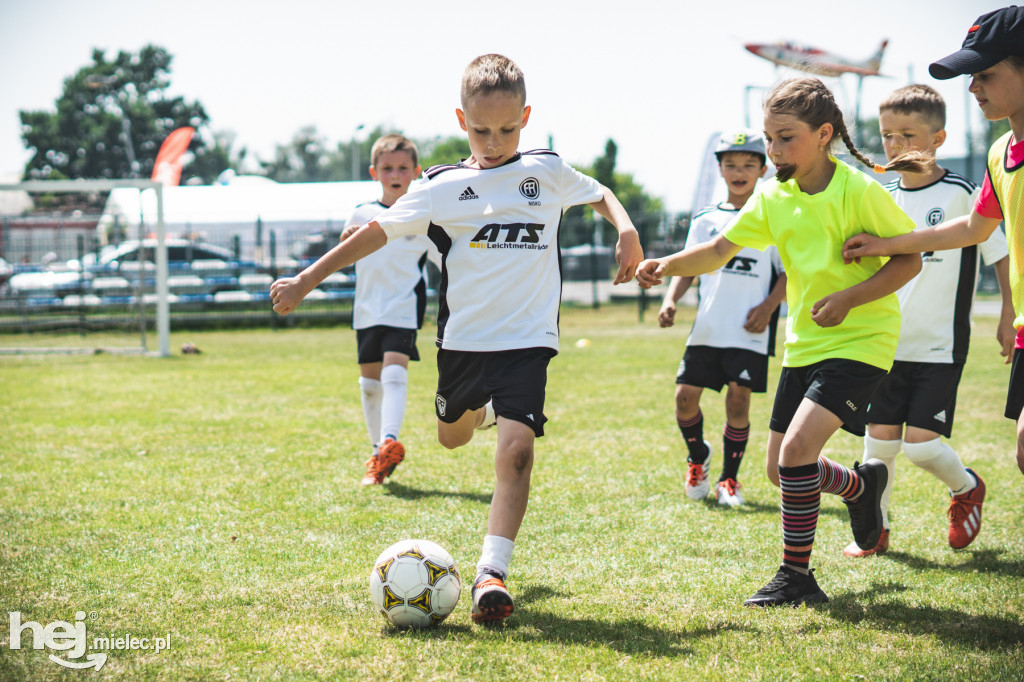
(216, 499)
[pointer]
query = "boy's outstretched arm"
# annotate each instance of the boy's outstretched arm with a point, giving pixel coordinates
(900, 269)
(628, 252)
(676, 288)
(1006, 335)
(287, 293)
(952, 234)
(704, 257)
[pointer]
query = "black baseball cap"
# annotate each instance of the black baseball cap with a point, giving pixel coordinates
(993, 37)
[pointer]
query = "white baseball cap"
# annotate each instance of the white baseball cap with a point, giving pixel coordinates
(744, 140)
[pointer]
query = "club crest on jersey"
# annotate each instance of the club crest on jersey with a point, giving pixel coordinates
(935, 216)
(509, 236)
(530, 188)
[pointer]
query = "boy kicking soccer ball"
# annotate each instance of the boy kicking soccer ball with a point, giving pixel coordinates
(494, 217)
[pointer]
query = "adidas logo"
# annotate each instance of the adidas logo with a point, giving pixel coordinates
(940, 417)
(745, 375)
(467, 194)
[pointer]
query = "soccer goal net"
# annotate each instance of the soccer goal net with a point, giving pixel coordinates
(72, 279)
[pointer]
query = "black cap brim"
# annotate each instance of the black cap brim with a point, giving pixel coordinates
(963, 62)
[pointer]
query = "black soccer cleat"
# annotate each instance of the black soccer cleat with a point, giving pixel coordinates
(866, 510)
(789, 587)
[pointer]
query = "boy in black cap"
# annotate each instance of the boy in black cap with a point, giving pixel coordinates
(993, 55)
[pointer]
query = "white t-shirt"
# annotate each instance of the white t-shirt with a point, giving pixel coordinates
(726, 295)
(391, 284)
(497, 231)
(936, 305)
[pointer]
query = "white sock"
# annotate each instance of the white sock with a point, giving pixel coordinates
(884, 451)
(395, 380)
(371, 392)
(496, 555)
(939, 459)
(489, 418)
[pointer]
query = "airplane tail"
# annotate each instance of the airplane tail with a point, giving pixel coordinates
(874, 62)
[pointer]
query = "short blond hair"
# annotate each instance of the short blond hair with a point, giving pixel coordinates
(492, 73)
(917, 99)
(393, 143)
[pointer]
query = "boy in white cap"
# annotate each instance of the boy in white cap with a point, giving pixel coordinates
(734, 331)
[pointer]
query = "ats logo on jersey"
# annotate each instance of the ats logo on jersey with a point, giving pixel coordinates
(935, 216)
(741, 264)
(530, 188)
(511, 236)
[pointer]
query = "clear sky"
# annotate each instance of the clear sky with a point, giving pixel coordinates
(655, 76)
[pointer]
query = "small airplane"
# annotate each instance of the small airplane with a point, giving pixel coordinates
(817, 61)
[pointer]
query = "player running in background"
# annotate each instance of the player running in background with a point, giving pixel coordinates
(920, 389)
(842, 325)
(390, 301)
(993, 54)
(495, 218)
(734, 331)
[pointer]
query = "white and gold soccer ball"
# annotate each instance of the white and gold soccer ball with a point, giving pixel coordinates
(415, 584)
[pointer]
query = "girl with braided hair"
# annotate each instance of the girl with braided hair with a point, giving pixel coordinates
(843, 322)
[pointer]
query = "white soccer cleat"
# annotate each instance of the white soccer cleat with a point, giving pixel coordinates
(697, 485)
(728, 492)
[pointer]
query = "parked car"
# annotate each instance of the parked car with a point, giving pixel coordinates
(118, 266)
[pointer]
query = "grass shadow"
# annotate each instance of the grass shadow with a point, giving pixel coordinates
(987, 560)
(406, 492)
(952, 626)
(628, 636)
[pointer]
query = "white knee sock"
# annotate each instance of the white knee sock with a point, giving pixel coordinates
(884, 451)
(395, 380)
(371, 393)
(496, 555)
(489, 418)
(939, 459)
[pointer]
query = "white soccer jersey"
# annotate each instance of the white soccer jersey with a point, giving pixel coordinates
(391, 285)
(726, 295)
(497, 231)
(936, 305)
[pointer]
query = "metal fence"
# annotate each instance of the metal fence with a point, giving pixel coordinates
(57, 277)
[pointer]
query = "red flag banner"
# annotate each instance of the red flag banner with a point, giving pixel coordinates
(167, 168)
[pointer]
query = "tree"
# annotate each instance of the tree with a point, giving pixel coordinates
(443, 150)
(209, 161)
(643, 209)
(110, 119)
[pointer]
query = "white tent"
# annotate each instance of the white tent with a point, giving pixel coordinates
(217, 213)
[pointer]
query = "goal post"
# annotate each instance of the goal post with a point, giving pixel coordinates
(163, 316)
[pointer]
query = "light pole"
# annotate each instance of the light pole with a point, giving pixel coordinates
(355, 152)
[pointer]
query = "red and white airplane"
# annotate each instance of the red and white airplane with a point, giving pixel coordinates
(817, 61)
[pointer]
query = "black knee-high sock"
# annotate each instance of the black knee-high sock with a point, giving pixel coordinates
(734, 445)
(693, 436)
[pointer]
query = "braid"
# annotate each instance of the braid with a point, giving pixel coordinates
(840, 127)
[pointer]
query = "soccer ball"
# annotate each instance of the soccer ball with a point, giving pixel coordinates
(415, 584)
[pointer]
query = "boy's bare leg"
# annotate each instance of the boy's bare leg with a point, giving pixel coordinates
(460, 432)
(513, 464)
(1020, 442)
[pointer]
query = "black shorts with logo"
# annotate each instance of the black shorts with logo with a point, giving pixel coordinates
(374, 342)
(919, 394)
(710, 367)
(1015, 392)
(514, 380)
(843, 387)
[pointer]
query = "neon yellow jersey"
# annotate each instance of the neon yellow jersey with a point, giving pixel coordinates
(1008, 186)
(809, 231)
